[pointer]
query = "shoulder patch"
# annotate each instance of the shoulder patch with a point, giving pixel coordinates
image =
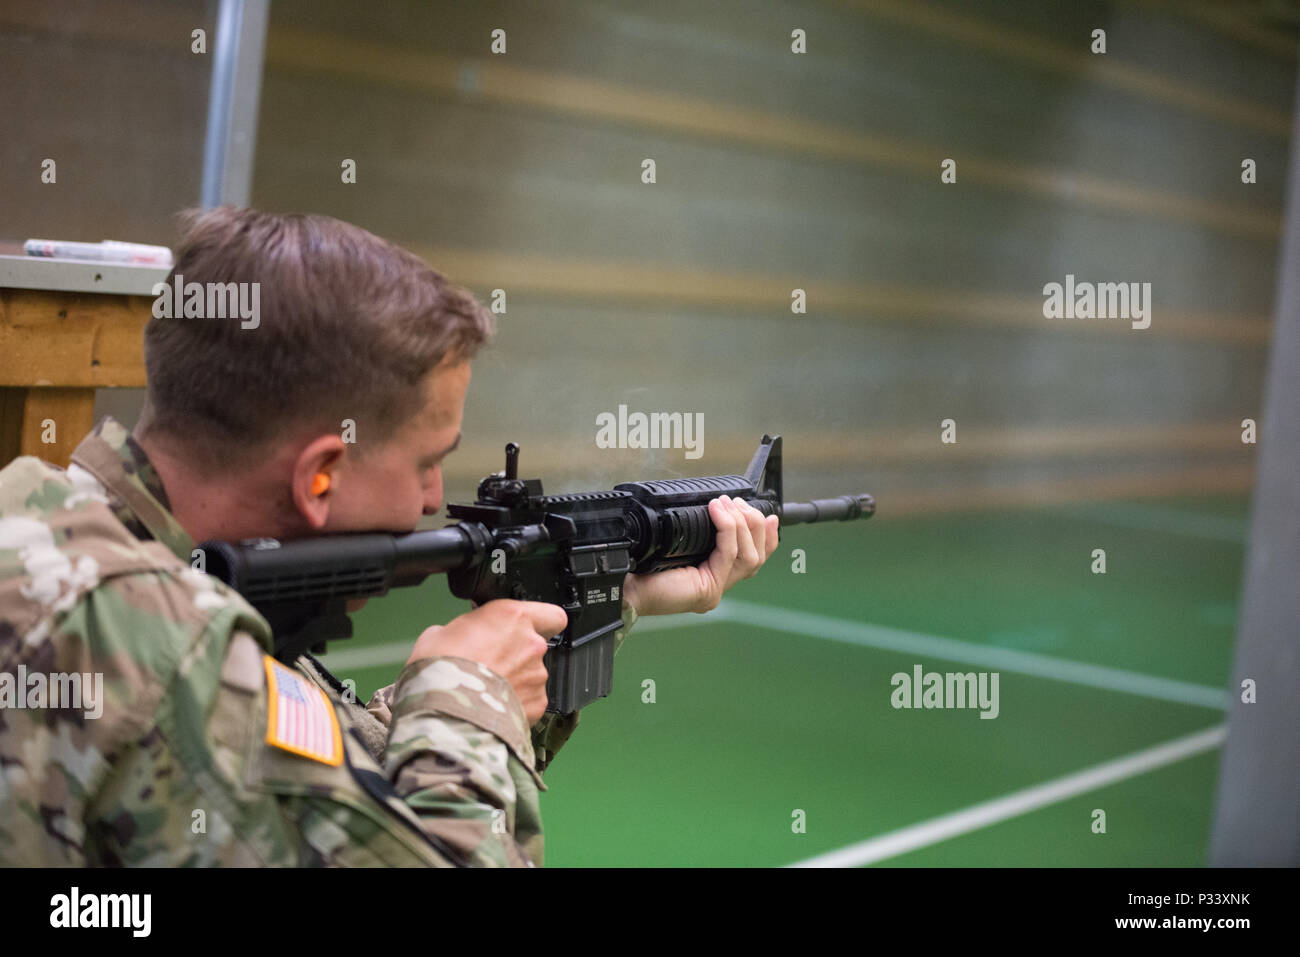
(299, 717)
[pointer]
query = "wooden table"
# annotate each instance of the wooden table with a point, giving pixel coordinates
(66, 329)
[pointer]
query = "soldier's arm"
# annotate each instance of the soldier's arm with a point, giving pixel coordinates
(238, 760)
(460, 756)
(548, 734)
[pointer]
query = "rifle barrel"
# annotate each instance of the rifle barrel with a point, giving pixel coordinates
(842, 508)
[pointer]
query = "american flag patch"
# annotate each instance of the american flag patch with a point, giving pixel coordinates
(300, 718)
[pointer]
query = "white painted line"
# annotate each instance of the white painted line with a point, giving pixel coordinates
(870, 636)
(391, 653)
(988, 656)
(396, 652)
(1018, 802)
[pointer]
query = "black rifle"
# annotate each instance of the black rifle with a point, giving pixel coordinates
(515, 542)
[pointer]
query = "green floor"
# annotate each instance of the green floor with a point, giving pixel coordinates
(751, 724)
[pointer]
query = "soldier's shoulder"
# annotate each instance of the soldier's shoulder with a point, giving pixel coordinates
(71, 572)
(31, 487)
(70, 506)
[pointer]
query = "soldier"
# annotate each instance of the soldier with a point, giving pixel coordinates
(142, 719)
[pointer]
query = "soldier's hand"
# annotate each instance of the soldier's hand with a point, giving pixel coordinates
(508, 637)
(746, 539)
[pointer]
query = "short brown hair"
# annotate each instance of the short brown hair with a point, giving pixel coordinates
(349, 327)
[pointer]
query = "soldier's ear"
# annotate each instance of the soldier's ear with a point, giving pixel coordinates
(315, 478)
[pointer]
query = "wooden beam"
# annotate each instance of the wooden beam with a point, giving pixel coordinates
(65, 339)
(56, 348)
(46, 423)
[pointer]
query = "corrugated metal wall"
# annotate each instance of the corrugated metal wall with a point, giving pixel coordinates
(775, 171)
(818, 171)
(111, 91)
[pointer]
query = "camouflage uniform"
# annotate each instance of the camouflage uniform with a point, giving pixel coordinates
(182, 766)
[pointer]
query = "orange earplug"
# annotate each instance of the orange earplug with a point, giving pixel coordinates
(320, 484)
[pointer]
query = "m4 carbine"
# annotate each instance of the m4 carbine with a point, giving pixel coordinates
(516, 542)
